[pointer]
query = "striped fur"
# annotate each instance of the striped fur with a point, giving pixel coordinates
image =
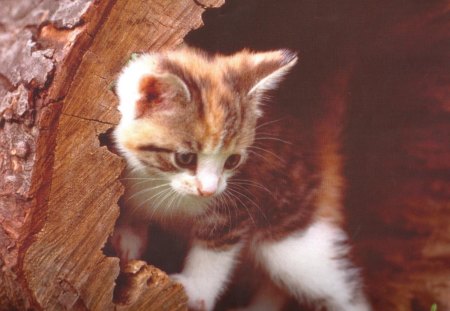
(288, 179)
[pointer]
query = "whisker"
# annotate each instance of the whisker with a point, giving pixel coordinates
(134, 184)
(211, 231)
(155, 196)
(177, 198)
(226, 203)
(267, 151)
(222, 201)
(230, 199)
(167, 194)
(178, 201)
(245, 206)
(263, 136)
(267, 123)
(141, 178)
(273, 138)
(135, 208)
(145, 190)
(173, 199)
(260, 155)
(251, 183)
(243, 189)
(255, 135)
(250, 200)
(171, 206)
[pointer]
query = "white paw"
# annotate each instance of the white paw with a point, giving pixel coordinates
(198, 299)
(129, 243)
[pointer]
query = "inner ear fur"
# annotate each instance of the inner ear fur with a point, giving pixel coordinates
(159, 92)
(268, 69)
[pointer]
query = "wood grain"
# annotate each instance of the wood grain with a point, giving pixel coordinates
(73, 208)
(59, 187)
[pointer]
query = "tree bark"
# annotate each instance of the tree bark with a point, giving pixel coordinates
(59, 187)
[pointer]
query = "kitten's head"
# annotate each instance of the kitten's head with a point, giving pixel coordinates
(188, 117)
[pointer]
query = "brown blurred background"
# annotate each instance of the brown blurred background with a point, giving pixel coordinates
(397, 129)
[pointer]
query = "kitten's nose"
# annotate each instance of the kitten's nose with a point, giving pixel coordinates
(207, 185)
(205, 193)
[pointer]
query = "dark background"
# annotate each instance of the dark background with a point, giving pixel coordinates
(396, 137)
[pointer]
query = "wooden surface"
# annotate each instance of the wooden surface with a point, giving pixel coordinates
(59, 188)
(27, 129)
(72, 207)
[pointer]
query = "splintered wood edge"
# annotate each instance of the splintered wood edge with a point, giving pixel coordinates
(137, 278)
(64, 266)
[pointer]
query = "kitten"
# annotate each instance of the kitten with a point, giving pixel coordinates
(203, 150)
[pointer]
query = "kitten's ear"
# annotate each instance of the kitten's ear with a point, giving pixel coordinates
(160, 92)
(268, 69)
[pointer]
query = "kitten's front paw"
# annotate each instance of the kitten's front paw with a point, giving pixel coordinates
(198, 299)
(129, 242)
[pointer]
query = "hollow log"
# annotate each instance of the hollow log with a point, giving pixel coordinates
(59, 184)
(59, 187)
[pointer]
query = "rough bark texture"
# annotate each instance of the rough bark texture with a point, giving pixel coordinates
(59, 189)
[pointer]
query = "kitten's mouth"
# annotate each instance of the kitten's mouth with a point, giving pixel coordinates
(201, 197)
(206, 194)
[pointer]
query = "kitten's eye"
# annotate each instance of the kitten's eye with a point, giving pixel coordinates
(186, 160)
(232, 161)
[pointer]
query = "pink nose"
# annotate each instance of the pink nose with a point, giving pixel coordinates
(207, 184)
(205, 193)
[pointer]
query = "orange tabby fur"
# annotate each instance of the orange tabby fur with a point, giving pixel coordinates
(287, 187)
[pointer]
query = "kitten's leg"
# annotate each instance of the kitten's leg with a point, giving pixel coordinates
(206, 273)
(313, 264)
(129, 241)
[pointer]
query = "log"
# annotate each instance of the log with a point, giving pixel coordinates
(59, 184)
(59, 187)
